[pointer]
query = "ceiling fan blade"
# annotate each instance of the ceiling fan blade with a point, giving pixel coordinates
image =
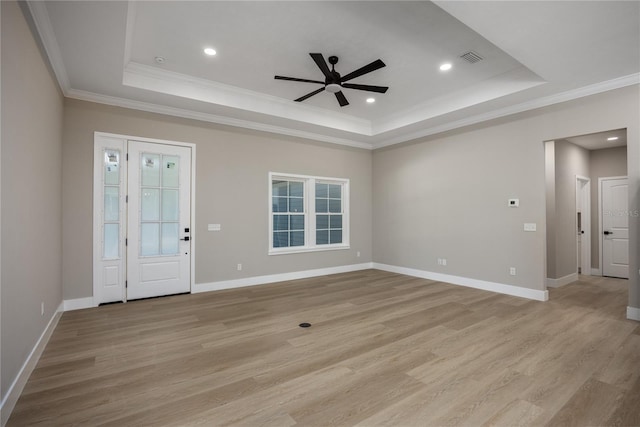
(322, 64)
(341, 99)
(380, 89)
(309, 95)
(293, 79)
(363, 70)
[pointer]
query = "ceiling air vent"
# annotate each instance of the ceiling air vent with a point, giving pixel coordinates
(471, 57)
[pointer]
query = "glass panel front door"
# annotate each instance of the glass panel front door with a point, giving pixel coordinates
(159, 215)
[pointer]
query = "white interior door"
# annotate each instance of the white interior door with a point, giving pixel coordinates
(158, 247)
(615, 228)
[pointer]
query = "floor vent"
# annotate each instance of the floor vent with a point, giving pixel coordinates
(471, 57)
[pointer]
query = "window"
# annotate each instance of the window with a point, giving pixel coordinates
(111, 217)
(288, 213)
(328, 213)
(307, 213)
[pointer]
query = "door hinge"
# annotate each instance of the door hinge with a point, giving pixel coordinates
(126, 242)
(126, 284)
(127, 156)
(126, 199)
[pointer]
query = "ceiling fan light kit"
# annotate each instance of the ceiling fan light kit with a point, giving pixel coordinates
(334, 82)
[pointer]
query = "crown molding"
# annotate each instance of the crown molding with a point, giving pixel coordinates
(499, 86)
(211, 118)
(594, 89)
(363, 127)
(38, 10)
(177, 84)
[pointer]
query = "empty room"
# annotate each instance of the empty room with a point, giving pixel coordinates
(320, 213)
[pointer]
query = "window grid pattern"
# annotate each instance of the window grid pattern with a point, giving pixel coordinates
(111, 205)
(288, 216)
(329, 213)
(159, 204)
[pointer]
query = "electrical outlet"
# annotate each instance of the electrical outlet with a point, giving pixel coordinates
(42, 308)
(444, 261)
(512, 271)
(358, 254)
(439, 261)
(239, 267)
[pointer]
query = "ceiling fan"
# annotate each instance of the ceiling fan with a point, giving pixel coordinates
(334, 83)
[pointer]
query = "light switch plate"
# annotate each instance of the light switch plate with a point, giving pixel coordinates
(530, 226)
(214, 227)
(514, 203)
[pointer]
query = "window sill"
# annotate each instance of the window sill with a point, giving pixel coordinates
(305, 249)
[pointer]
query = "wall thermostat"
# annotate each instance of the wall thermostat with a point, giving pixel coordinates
(514, 203)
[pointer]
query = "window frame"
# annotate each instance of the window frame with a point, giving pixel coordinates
(309, 211)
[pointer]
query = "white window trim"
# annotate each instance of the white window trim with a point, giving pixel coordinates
(310, 214)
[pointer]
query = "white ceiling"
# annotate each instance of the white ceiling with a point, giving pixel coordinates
(535, 53)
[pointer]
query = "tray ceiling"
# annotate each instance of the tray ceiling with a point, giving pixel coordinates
(533, 54)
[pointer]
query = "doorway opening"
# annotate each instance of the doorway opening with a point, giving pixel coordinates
(574, 169)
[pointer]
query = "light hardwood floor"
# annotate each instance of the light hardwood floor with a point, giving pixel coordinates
(383, 349)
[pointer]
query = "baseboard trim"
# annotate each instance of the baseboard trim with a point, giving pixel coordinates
(78, 303)
(500, 288)
(633, 313)
(273, 278)
(15, 390)
(556, 283)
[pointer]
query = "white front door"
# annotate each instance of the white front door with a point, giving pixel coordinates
(159, 215)
(615, 228)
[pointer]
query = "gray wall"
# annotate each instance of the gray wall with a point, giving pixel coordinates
(550, 199)
(570, 160)
(633, 172)
(603, 163)
(445, 196)
(232, 168)
(32, 109)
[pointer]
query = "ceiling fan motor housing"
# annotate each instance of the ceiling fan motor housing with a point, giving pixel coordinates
(332, 82)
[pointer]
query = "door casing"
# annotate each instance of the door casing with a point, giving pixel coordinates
(583, 205)
(119, 292)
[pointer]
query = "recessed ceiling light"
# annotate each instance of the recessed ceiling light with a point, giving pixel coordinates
(159, 59)
(445, 67)
(612, 138)
(371, 100)
(210, 51)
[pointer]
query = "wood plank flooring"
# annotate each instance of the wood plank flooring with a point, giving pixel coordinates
(383, 349)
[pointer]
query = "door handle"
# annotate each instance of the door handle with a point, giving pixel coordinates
(186, 238)
(606, 233)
